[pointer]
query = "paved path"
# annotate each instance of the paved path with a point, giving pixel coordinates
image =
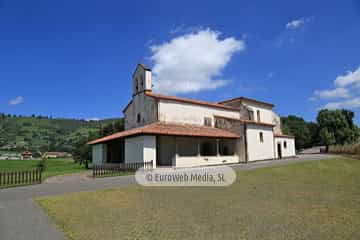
(21, 219)
(75, 177)
(313, 150)
(280, 162)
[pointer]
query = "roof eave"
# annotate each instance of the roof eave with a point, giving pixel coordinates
(190, 101)
(246, 99)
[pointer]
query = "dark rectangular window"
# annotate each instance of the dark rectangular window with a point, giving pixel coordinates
(207, 122)
(261, 136)
(187, 147)
(208, 147)
(138, 117)
(227, 147)
(258, 115)
(285, 144)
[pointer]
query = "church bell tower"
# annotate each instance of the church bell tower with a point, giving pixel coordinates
(141, 79)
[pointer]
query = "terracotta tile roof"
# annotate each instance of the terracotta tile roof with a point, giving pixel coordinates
(284, 136)
(246, 121)
(169, 129)
(191, 101)
(241, 99)
(26, 153)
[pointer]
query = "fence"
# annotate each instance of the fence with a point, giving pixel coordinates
(15, 178)
(116, 169)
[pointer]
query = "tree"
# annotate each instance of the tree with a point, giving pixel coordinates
(119, 125)
(314, 133)
(337, 127)
(298, 127)
(82, 151)
(111, 128)
(327, 137)
(107, 130)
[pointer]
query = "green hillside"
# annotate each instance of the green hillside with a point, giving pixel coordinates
(40, 134)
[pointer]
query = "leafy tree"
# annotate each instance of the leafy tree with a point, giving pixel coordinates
(82, 151)
(338, 123)
(119, 125)
(314, 133)
(298, 127)
(110, 128)
(327, 137)
(107, 130)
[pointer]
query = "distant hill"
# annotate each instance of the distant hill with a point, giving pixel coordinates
(38, 133)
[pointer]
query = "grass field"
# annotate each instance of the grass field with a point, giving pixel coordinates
(312, 200)
(53, 166)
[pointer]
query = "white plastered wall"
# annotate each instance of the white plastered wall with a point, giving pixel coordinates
(145, 106)
(140, 149)
(205, 161)
(185, 113)
(197, 159)
(99, 154)
(266, 113)
(169, 152)
(289, 151)
(258, 150)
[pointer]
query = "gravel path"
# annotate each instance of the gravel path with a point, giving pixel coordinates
(21, 219)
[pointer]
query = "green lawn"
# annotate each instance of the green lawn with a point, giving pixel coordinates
(53, 166)
(312, 200)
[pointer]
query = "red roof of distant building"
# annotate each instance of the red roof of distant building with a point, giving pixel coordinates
(169, 129)
(26, 153)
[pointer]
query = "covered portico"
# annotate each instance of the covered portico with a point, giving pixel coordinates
(182, 151)
(169, 145)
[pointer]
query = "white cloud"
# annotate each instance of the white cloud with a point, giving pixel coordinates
(348, 79)
(16, 101)
(192, 62)
(352, 103)
(294, 24)
(290, 35)
(334, 93)
(346, 86)
(298, 23)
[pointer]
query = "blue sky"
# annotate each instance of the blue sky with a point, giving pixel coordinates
(76, 58)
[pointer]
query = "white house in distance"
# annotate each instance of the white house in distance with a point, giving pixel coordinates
(181, 132)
